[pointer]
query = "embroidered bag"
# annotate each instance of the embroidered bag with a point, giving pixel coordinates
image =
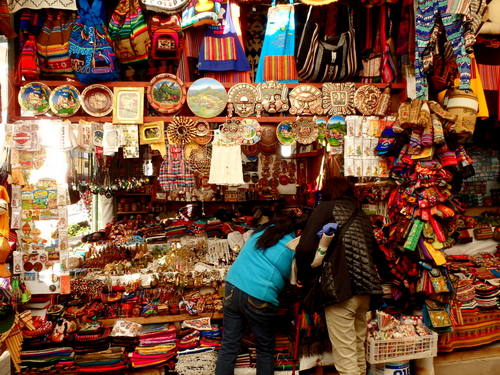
(372, 52)
(53, 44)
(92, 56)
(323, 61)
(277, 59)
(129, 31)
(166, 41)
(221, 48)
(28, 60)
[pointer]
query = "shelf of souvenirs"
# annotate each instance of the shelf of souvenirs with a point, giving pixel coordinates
(395, 86)
(163, 318)
(219, 119)
(477, 211)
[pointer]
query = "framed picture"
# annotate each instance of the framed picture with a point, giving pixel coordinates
(151, 132)
(128, 105)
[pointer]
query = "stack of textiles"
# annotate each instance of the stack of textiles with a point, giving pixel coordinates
(112, 359)
(61, 358)
(211, 338)
(91, 337)
(283, 358)
(157, 345)
(487, 296)
(126, 334)
(200, 361)
(189, 339)
(465, 294)
(243, 360)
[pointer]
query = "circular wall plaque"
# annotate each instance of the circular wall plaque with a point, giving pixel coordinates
(97, 100)
(34, 98)
(166, 93)
(65, 100)
(207, 97)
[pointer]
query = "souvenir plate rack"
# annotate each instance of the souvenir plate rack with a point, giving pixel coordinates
(163, 318)
(15, 110)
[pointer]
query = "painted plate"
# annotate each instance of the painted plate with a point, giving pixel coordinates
(207, 97)
(305, 131)
(34, 98)
(65, 101)
(97, 100)
(251, 132)
(321, 124)
(336, 129)
(166, 93)
(284, 133)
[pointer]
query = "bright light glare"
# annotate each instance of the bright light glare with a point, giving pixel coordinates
(55, 165)
(286, 151)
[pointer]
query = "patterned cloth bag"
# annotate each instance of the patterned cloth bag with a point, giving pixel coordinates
(277, 59)
(319, 60)
(221, 49)
(129, 31)
(53, 44)
(92, 57)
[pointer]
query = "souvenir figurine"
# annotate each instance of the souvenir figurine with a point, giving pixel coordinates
(338, 98)
(242, 97)
(306, 100)
(271, 97)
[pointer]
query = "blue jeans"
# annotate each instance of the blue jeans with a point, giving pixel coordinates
(240, 309)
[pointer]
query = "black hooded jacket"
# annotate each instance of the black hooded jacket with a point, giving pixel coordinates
(348, 268)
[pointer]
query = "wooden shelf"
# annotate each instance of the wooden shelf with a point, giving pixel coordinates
(133, 212)
(132, 194)
(395, 86)
(477, 211)
(162, 318)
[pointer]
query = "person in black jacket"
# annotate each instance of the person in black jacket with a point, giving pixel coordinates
(348, 273)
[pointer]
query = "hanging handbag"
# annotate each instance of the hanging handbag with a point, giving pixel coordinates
(388, 70)
(277, 59)
(166, 40)
(53, 44)
(28, 66)
(221, 48)
(371, 59)
(92, 56)
(129, 32)
(166, 6)
(323, 61)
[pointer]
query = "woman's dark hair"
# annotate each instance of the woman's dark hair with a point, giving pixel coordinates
(284, 222)
(337, 187)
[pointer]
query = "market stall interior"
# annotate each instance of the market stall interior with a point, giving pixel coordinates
(146, 139)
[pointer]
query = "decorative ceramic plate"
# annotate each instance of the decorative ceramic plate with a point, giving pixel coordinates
(65, 100)
(305, 131)
(338, 98)
(284, 133)
(166, 93)
(321, 124)
(336, 130)
(232, 130)
(34, 98)
(207, 97)
(202, 128)
(97, 100)
(366, 99)
(241, 99)
(251, 131)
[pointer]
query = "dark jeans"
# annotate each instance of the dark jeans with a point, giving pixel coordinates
(241, 309)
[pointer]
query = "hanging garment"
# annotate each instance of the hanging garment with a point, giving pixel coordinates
(226, 167)
(14, 6)
(427, 14)
(221, 48)
(173, 172)
(277, 60)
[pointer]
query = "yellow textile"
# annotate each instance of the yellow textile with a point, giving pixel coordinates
(477, 87)
(4, 219)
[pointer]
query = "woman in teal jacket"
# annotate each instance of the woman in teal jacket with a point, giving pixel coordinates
(253, 284)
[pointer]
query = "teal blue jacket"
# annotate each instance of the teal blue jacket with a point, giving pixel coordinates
(262, 273)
